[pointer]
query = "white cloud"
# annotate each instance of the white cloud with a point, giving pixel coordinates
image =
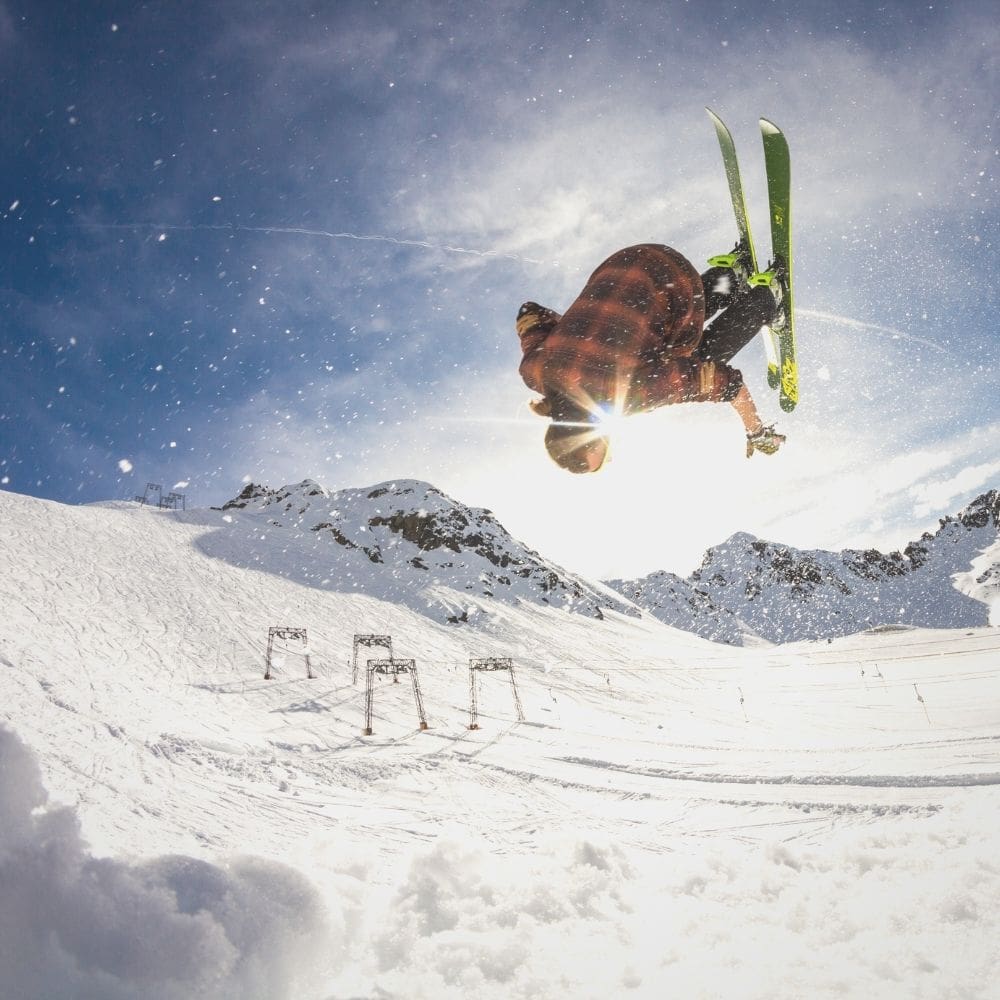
(938, 494)
(581, 152)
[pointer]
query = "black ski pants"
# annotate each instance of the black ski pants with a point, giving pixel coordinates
(744, 311)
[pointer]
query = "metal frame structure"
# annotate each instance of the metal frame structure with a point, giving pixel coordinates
(490, 664)
(395, 667)
(385, 641)
(172, 501)
(150, 489)
(284, 632)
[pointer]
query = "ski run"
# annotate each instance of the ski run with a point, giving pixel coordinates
(672, 817)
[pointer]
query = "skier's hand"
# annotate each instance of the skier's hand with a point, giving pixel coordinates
(766, 441)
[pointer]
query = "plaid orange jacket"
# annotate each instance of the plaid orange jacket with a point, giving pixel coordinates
(629, 337)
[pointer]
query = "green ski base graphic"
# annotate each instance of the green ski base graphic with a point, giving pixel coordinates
(778, 164)
(779, 341)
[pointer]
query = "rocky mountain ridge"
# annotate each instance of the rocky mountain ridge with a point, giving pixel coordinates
(747, 587)
(408, 542)
(412, 540)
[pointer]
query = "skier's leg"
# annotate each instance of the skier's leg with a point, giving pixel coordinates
(734, 328)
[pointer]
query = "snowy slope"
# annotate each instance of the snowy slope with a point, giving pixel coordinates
(673, 817)
(948, 579)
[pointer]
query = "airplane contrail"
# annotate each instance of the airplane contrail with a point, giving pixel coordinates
(294, 230)
(447, 248)
(857, 324)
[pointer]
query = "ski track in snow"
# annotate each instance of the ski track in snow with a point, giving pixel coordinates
(131, 663)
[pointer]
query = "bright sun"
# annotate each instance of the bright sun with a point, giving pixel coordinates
(669, 473)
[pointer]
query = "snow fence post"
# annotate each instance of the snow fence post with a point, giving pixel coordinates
(174, 501)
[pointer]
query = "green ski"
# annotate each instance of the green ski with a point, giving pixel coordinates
(745, 246)
(777, 162)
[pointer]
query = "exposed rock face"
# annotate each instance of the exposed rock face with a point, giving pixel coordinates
(247, 495)
(411, 543)
(948, 579)
(422, 541)
(679, 603)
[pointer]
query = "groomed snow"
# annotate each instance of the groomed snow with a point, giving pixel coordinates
(672, 818)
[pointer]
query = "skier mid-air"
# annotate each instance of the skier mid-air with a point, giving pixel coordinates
(635, 340)
(648, 331)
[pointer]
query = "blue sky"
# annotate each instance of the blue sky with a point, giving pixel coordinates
(185, 296)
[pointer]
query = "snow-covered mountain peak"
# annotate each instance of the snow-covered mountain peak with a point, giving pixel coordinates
(409, 539)
(947, 579)
(258, 498)
(301, 501)
(982, 512)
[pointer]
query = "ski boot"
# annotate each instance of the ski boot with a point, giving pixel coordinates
(739, 260)
(775, 278)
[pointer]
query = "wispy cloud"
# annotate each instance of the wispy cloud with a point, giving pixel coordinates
(936, 495)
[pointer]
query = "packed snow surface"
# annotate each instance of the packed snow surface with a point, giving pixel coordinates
(673, 817)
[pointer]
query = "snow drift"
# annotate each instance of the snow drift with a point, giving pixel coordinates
(175, 927)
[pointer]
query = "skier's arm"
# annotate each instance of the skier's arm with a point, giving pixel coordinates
(685, 380)
(759, 438)
(691, 380)
(743, 404)
(534, 324)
